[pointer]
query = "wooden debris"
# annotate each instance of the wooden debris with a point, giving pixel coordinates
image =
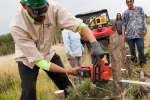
(142, 76)
(144, 89)
(145, 73)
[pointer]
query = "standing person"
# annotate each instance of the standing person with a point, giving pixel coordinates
(33, 28)
(118, 23)
(134, 23)
(74, 50)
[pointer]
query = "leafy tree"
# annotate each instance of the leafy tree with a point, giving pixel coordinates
(7, 44)
(146, 16)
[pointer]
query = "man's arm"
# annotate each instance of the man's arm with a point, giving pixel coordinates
(55, 68)
(87, 33)
(144, 23)
(65, 35)
(29, 49)
(123, 30)
(124, 24)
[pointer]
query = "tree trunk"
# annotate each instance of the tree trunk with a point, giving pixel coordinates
(60, 95)
(116, 62)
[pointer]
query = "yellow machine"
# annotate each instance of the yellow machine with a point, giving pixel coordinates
(98, 20)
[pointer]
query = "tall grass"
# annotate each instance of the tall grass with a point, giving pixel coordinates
(148, 20)
(10, 83)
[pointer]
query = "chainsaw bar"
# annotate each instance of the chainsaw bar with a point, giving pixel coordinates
(132, 82)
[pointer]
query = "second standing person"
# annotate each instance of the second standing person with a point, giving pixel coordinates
(74, 50)
(134, 23)
(118, 23)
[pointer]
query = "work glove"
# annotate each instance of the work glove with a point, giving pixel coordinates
(97, 52)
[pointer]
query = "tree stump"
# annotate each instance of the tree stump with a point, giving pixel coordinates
(116, 62)
(60, 95)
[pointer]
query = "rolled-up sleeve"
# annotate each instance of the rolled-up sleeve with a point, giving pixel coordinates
(82, 48)
(66, 20)
(26, 45)
(124, 20)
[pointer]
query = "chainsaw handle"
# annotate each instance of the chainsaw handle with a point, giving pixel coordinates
(107, 57)
(95, 65)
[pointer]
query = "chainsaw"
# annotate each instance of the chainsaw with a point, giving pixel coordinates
(97, 73)
(103, 72)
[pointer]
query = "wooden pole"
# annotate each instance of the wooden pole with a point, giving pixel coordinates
(116, 62)
(128, 62)
(122, 50)
(60, 95)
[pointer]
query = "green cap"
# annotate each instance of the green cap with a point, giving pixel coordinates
(35, 3)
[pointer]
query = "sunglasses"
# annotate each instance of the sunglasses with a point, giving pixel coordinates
(39, 11)
(129, 2)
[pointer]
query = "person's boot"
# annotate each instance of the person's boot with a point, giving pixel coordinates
(143, 65)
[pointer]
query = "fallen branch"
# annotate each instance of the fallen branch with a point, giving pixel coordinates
(145, 73)
(122, 95)
(142, 76)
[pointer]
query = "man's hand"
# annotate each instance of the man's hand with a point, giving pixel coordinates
(73, 71)
(72, 56)
(62, 41)
(144, 33)
(97, 52)
(83, 51)
(123, 37)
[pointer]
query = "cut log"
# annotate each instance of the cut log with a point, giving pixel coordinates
(60, 95)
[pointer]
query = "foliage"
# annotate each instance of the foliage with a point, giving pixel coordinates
(57, 37)
(146, 16)
(7, 45)
(89, 91)
(112, 21)
(148, 20)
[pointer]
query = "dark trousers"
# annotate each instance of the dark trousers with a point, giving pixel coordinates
(140, 47)
(29, 77)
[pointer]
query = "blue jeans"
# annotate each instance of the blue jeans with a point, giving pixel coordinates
(140, 47)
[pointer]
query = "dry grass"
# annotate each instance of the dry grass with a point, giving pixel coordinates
(10, 88)
(10, 83)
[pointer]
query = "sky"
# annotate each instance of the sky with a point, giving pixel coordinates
(10, 7)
